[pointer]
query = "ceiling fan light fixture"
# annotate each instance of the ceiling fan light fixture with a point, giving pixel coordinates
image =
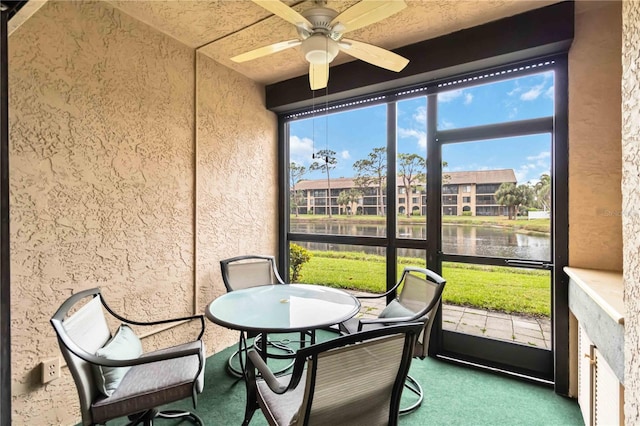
(319, 49)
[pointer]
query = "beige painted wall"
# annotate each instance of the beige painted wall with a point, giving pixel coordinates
(595, 199)
(631, 201)
(103, 182)
(237, 182)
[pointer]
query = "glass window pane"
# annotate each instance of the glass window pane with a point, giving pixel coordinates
(342, 266)
(508, 212)
(411, 192)
(512, 304)
(338, 166)
(411, 257)
(520, 98)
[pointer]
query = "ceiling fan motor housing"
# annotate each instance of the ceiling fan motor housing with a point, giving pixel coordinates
(317, 45)
(319, 49)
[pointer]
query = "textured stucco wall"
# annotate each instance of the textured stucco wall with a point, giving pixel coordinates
(630, 203)
(103, 182)
(236, 167)
(595, 200)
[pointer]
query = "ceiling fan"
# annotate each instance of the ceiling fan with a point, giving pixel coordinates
(320, 31)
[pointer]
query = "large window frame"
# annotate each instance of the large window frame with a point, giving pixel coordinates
(435, 139)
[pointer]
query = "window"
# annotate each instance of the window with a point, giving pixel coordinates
(487, 188)
(450, 189)
(485, 199)
(450, 199)
(347, 150)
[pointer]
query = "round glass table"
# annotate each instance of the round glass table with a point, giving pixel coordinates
(282, 308)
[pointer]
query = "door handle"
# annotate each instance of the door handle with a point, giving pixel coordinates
(535, 264)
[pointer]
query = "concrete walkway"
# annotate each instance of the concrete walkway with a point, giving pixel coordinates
(523, 329)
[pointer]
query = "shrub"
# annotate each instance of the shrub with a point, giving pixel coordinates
(298, 256)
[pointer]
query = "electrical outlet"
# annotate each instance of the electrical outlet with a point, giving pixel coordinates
(50, 369)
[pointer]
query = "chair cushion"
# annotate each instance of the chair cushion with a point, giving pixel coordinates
(151, 385)
(282, 409)
(395, 310)
(123, 345)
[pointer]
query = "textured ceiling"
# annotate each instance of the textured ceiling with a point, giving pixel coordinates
(221, 29)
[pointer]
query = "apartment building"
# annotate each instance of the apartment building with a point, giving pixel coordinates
(465, 193)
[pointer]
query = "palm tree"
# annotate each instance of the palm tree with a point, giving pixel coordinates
(347, 198)
(543, 192)
(512, 196)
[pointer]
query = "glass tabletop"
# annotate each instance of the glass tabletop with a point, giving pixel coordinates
(282, 308)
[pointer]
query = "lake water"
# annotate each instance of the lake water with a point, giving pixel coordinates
(456, 239)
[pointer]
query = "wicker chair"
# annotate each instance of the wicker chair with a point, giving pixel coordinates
(419, 301)
(112, 375)
(355, 379)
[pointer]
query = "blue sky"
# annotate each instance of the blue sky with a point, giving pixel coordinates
(353, 134)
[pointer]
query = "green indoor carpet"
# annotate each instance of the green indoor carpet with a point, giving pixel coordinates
(454, 395)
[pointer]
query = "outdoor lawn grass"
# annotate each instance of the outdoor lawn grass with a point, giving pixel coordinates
(485, 287)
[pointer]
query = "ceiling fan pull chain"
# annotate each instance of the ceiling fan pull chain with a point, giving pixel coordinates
(326, 103)
(313, 125)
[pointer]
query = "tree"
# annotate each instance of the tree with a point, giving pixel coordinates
(512, 196)
(349, 197)
(295, 175)
(411, 169)
(298, 256)
(373, 171)
(328, 162)
(543, 192)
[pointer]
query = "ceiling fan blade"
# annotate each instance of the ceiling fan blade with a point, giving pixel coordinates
(318, 76)
(266, 50)
(285, 12)
(373, 54)
(367, 12)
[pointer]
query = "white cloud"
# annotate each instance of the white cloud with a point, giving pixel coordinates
(533, 93)
(468, 98)
(345, 154)
(420, 115)
(421, 137)
(301, 150)
(542, 161)
(450, 95)
(542, 155)
(550, 92)
(515, 91)
(444, 125)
